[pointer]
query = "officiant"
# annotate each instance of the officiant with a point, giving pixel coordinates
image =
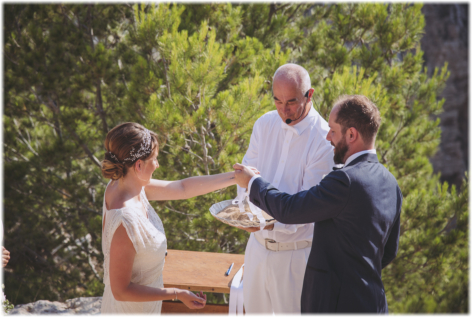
(289, 148)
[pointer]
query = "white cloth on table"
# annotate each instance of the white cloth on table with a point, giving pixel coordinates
(293, 159)
(236, 302)
(149, 240)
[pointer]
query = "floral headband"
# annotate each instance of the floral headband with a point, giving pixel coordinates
(144, 149)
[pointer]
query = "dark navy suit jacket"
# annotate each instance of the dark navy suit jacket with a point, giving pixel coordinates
(357, 215)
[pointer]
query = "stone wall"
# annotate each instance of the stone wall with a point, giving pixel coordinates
(81, 305)
(446, 39)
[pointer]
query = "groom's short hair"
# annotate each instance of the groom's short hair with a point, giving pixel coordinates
(359, 112)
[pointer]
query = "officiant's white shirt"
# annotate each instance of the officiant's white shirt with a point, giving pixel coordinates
(291, 158)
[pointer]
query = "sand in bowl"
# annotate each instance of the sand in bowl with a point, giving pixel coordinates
(232, 212)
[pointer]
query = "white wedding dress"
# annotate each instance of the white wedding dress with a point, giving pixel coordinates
(149, 240)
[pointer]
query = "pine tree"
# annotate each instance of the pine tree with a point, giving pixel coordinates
(64, 89)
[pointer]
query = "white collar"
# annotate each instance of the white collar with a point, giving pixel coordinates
(302, 125)
(356, 155)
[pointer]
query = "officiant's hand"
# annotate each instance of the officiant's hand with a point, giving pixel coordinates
(255, 170)
(243, 174)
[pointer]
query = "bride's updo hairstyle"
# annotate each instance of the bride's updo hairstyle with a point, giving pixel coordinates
(125, 144)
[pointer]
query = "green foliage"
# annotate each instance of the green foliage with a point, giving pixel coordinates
(200, 75)
(7, 306)
(62, 81)
(430, 273)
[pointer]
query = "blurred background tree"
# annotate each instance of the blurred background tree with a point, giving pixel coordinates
(200, 75)
(61, 78)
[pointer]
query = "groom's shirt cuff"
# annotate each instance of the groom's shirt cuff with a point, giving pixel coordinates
(250, 183)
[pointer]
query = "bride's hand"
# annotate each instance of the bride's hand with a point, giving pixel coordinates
(191, 300)
(254, 170)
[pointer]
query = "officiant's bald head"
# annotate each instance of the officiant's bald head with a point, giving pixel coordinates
(291, 88)
(293, 73)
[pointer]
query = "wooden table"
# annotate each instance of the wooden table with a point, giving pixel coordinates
(199, 271)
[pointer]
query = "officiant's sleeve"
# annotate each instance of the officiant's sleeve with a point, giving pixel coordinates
(252, 153)
(251, 156)
(319, 165)
(319, 203)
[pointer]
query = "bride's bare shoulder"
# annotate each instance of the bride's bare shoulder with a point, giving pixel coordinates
(113, 198)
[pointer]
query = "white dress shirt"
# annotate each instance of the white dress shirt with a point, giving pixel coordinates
(291, 158)
(356, 155)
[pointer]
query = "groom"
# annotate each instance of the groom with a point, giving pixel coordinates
(356, 210)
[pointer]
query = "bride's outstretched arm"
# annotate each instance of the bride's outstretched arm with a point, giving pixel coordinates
(188, 187)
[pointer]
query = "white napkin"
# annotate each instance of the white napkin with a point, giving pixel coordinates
(243, 194)
(236, 299)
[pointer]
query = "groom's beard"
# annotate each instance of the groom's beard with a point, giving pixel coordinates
(340, 151)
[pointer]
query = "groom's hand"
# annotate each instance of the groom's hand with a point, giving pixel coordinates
(243, 174)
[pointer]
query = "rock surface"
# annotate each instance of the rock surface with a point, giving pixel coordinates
(446, 39)
(81, 305)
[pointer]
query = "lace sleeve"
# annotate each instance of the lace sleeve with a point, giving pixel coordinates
(132, 224)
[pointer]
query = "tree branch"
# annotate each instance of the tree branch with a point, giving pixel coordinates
(99, 105)
(84, 147)
(56, 109)
(23, 140)
(397, 133)
(16, 152)
(205, 150)
(192, 238)
(164, 63)
(293, 13)
(189, 151)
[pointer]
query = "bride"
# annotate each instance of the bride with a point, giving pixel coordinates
(134, 241)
